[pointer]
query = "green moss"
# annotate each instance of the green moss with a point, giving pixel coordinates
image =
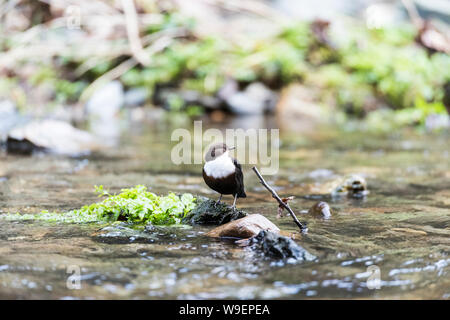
(133, 205)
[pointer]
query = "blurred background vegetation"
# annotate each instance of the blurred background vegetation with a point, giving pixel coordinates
(386, 63)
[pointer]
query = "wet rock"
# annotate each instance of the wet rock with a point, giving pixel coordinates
(135, 97)
(255, 99)
(353, 186)
(21, 146)
(279, 247)
(229, 88)
(125, 232)
(121, 233)
(246, 227)
(433, 39)
(168, 232)
(51, 136)
(7, 107)
(320, 209)
(106, 101)
(206, 212)
(437, 121)
(9, 118)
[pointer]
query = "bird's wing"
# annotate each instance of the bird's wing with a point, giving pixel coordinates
(239, 176)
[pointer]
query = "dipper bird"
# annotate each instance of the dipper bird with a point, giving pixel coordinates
(223, 173)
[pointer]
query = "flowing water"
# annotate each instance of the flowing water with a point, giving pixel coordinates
(399, 233)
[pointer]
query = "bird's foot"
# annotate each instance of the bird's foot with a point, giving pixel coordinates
(217, 202)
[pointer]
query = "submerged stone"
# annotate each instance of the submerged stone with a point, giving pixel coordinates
(320, 209)
(354, 186)
(246, 227)
(278, 246)
(207, 212)
(122, 233)
(135, 96)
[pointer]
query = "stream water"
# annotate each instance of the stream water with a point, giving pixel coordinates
(399, 233)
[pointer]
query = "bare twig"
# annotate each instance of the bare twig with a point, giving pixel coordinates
(280, 201)
(133, 32)
(107, 77)
(413, 14)
(116, 72)
(151, 38)
(254, 7)
(7, 6)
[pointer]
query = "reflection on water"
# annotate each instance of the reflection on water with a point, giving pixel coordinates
(402, 227)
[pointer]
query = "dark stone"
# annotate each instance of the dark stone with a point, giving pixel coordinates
(280, 247)
(207, 212)
(22, 147)
(51, 136)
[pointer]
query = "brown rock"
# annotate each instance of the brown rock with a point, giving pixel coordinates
(320, 209)
(246, 227)
(433, 39)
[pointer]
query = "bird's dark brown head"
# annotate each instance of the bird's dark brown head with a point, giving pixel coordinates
(216, 150)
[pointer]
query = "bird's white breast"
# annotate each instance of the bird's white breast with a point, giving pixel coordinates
(220, 167)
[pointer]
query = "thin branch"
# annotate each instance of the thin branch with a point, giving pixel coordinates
(151, 38)
(413, 14)
(254, 7)
(107, 77)
(118, 71)
(132, 24)
(283, 204)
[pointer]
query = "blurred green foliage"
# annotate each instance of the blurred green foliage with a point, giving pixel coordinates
(377, 67)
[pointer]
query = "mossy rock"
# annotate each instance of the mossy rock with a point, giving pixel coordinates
(207, 212)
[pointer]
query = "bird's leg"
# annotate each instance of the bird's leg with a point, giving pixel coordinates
(234, 202)
(218, 201)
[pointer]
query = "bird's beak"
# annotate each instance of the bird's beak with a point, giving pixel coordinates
(231, 148)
